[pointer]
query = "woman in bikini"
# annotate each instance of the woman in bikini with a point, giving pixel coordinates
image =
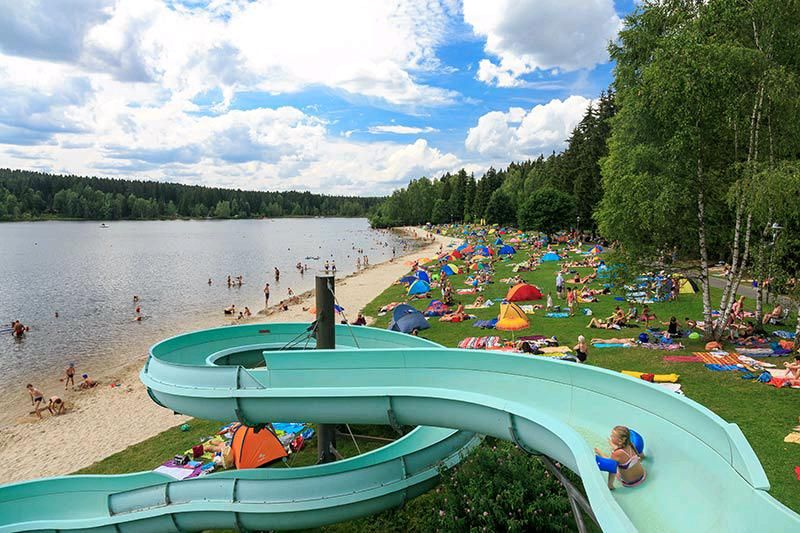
(630, 471)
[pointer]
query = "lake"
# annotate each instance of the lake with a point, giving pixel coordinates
(89, 275)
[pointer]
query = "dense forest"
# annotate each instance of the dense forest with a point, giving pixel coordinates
(547, 194)
(33, 195)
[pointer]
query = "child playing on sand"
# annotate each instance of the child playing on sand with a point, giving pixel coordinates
(36, 398)
(86, 383)
(56, 405)
(629, 467)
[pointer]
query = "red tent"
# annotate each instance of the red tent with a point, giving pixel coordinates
(455, 254)
(523, 292)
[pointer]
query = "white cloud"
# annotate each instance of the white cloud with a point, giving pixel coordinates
(521, 134)
(527, 35)
(400, 130)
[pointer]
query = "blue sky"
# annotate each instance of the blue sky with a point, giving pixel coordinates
(353, 97)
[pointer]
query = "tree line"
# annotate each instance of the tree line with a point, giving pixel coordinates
(546, 194)
(34, 195)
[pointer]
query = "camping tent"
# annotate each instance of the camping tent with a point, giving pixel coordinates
(507, 250)
(421, 274)
(511, 318)
(550, 256)
(596, 249)
(253, 449)
(408, 280)
(523, 292)
(498, 241)
(483, 250)
(419, 287)
(449, 270)
(686, 286)
(406, 319)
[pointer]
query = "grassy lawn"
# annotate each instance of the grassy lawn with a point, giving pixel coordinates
(765, 414)
(150, 453)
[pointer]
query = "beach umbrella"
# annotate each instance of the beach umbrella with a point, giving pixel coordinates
(550, 256)
(450, 270)
(419, 287)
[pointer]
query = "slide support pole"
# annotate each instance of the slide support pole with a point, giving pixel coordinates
(576, 498)
(326, 339)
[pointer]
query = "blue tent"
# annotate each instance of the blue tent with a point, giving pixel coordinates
(421, 274)
(459, 248)
(498, 241)
(448, 271)
(482, 250)
(550, 256)
(507, 249)
(408, 280)
(406, 319)
(419, 287)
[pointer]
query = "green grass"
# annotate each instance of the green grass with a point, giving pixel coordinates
(150, 453)
(765, 414)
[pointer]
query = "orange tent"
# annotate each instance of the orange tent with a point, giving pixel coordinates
(523, 292)
(511, 318)
(253, 450)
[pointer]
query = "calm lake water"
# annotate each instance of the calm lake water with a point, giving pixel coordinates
(89, 275)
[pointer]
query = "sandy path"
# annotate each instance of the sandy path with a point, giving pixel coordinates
(108, 419)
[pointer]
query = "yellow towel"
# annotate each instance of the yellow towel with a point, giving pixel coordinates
(657, 378)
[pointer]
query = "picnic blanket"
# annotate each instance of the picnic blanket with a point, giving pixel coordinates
(717, 358)
(788, 335)
(661, 346)
(764, 352)
(681, 359)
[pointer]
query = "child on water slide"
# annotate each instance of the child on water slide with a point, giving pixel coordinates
(630, 471)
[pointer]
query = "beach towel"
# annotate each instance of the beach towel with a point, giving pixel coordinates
(555, 349)
(792, 437)
(611, 345)
(752, 362)
(681, 359)
(721, 368)
(288, 427)
(485, 324)
(717, 358)
(762, 352)
(557, 315)
(674, 387)
(788, 335)
(527, 309)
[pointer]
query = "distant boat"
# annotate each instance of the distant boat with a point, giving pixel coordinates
(104, 225)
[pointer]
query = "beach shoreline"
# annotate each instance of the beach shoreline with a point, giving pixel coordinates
(107, 419)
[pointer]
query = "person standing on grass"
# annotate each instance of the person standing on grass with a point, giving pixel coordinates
(559, 284)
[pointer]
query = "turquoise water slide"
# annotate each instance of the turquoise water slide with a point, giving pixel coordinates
(702, 473)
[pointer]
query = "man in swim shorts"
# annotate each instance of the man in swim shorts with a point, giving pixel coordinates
(36, 399)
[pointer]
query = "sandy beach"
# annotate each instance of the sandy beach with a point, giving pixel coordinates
(106, 419)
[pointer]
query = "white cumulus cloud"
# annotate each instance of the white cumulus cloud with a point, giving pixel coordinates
(521, 134)
(526, 35)
(400, 130)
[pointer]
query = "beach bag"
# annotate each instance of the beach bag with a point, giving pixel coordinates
(643, 338)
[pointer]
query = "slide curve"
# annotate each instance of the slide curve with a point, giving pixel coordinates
(702, 473)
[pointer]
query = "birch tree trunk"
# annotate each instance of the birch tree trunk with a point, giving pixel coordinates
(701, 233)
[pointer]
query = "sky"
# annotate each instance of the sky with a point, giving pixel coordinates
(349, 97)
